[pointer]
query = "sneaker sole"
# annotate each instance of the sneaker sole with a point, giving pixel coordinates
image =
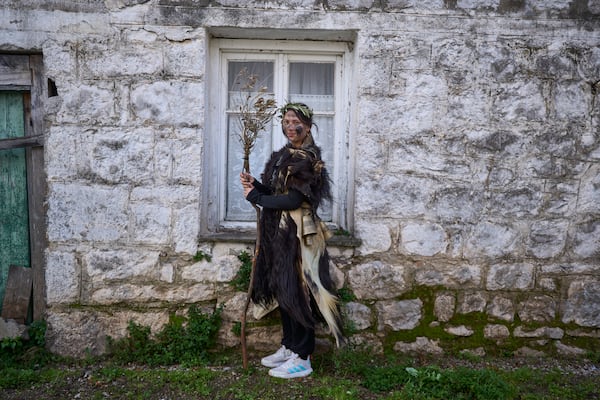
(285, 375)
(271, 364)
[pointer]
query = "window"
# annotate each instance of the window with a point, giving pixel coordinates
(315, 73)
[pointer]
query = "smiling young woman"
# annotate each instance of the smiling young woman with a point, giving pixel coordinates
(292, 265)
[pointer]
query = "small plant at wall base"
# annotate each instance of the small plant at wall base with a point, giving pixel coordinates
(242, 278)
(15, 351)
(341, 232)
(183, 340)
(236, 329)
(200, 255)
(346, 295)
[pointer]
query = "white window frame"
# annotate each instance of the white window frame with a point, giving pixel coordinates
(215, 151)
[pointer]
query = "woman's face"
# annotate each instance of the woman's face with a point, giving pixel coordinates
(295, 130)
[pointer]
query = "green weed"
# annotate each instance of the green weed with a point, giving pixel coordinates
(346, 295)
(181, 341)
(242, 278)
(200, 255)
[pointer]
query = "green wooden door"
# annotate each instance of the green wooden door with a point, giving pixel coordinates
(14, 215)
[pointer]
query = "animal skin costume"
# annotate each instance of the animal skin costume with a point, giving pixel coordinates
(292, 266)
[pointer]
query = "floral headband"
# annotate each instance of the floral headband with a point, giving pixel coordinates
(300, 108)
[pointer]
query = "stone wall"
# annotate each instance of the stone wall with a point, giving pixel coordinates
(477, 159)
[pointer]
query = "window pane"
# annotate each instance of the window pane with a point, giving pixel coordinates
(246, 78)
(323, 135)
(312, 83)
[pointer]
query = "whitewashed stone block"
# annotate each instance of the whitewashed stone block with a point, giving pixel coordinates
(548, 284)
(454, 54)
(234, 307)
(186, 226)
(547, 238)
(581, 306)
(65, 165)
(520, 101)
(461, 330)
(10, 329)
(135, 294)
(419, 346)
(510, 277)
(359, 314)
(538, 308)
(367, 341)
(495, 331)
(151, 223)
(351, 4)
(472, 302)
(567, 268)
(443, 308)
(87, 104)
(373, 149)
(63, 277)
(167, 273)
(376, 280)
(74, 333)
(571, 100)
(399, 315)
(221, 269)
(567, 350)
(119, 156)
(375, 237)
(411, 195)
(552, 333)
(412, 53)
(103, 266)
(168, 102)
(501, 308)
(450, 276)
(99, 61)
(187, 57)
(94, 213)
(492, 240)
(529, 352)
(448, 203)
(589, 190)
(376, 81)
(179, 161)
(424, 239)
(587, 239)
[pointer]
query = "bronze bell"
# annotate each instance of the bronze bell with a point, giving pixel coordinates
(308, 225)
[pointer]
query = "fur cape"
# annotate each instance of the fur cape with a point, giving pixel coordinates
(292, 265)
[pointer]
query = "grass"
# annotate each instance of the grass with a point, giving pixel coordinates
(344, 375)
(182, 362)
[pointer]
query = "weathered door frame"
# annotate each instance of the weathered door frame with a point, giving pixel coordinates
(24, 73)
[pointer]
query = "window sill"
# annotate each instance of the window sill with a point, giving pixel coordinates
(345, 241)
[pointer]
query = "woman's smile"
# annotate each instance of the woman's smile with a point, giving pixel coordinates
(295, 130)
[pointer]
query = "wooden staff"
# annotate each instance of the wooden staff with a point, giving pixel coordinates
(256, 250)
(256, 112)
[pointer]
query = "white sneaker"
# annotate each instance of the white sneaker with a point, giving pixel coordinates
(295, 367)
(278, 358)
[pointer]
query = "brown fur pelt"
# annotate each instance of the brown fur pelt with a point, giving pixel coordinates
(280, 274)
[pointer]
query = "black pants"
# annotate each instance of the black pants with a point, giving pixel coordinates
(296, 337)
